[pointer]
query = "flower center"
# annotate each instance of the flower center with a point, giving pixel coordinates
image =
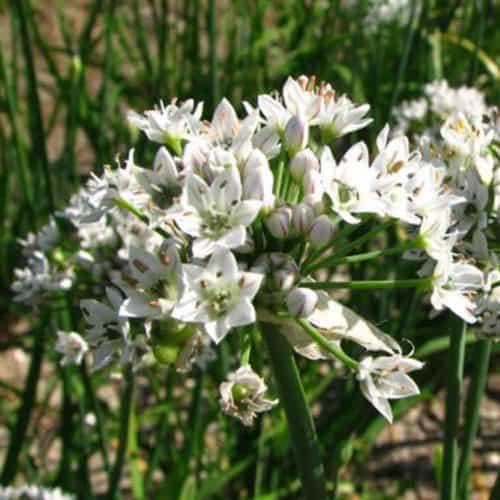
(347, 194)
(221, 300)
(215, 223)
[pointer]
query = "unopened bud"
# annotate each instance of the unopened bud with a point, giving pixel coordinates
(321, 231)
(285, 278)
(247, 247)
(302, 162)
(278, 222)
(258, 185)
(296, 133)
(280, 270)
(302, 218)
(301, 302)
(313, 186)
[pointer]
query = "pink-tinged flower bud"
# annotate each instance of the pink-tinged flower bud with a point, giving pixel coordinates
(321, 231)
(302, 218)
(279, 269)
(296, 133)
(278, 222)
(313, 186)
(285, 278)
(302, 162)
(301, 302)
(258, 185)
(247, 247)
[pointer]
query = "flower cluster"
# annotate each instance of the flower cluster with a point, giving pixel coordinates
(237, 221)
(379, 13)
(31, 492)
(458, 135)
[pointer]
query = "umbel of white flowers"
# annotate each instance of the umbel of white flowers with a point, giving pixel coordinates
(32, 492)
(234, 222)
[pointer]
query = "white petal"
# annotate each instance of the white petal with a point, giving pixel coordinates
(245, 212)
(380, 404)
(250, 284)
(233, 239)
(225, 121)
(138, 307)
(223, 261)
(226, 189)
(242, 314)
(218, 329)
(203, 247)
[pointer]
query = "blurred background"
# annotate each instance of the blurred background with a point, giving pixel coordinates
(69, 72)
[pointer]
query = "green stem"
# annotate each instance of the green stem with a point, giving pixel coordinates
(421, 283)
(24, 415)
(37, 129)
(411, 30)
(495, 492)
(125, 205)
(482, 351)
(136, 475)
(213, 51)
(335, 260)
(455, 376)
(96, 408)
(327, 345)
(125, 414)
(279, 177)
(301, 426)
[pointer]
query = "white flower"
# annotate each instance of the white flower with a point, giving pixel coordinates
(341, 116)
(32, 492)
(488, 306)
(453, 286)
(157, 283)
(215, 216)
(162, 182)
(108, 332)
(429, 195)
(242, 396)
(467, 139)
(100, 194)
(383, 12)
(351, 184)
(384, 378)
(97, 234)
(43, 241)
(38, 278)
(225, 142)
(394, 165)
(218, 295)
(169, 123)
(72, 346)
(445, 100)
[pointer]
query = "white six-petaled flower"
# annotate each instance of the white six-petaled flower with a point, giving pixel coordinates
(385, 377)
(218, 295)
(215, 215)
(243, 395)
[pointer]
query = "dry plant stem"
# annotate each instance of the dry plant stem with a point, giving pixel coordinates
(455, 381)
(482, 351)
(305, 443)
